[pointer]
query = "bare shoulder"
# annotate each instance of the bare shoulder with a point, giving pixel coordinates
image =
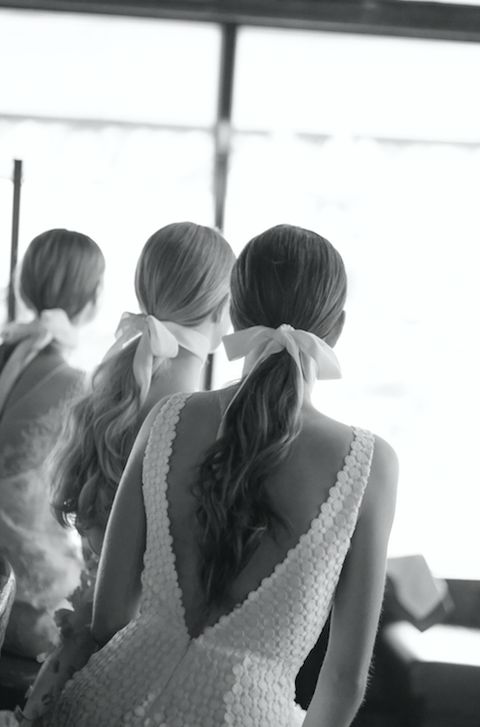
(333, 437)
(323, 428)
(381, 491)
(385, 459)
(384, 463)
(192, 400)
(324, 439)
(200, 415)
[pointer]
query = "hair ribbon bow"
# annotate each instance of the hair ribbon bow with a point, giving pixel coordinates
(159, 341)
(259, 342)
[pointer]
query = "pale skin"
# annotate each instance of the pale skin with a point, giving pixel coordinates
(299, 487)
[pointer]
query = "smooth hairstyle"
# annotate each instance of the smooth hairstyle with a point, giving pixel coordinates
(61, 269)
(285, 275)
(182, 276)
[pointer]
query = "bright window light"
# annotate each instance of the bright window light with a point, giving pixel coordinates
(112, 118)
(105, 67)
(373, 142)
(402, 207)
(335, 83)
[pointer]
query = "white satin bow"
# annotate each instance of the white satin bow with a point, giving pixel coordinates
(159, 340)
(29, 339)
(259, 342)
(52, 324)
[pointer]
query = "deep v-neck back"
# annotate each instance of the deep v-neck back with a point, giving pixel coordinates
(163, 434)
(241, 670)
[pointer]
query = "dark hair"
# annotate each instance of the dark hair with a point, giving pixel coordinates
(182, 275)
(285, 275)
(61, 269)
(6, 350)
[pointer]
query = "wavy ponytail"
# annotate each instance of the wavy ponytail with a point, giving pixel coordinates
(287, 275)
(234, 510)
(182, 276)
(98, 437)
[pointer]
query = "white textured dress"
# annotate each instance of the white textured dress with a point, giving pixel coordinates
(241, 671)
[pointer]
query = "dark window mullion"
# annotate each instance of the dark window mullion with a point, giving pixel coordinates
(17, 185)
(222, 142)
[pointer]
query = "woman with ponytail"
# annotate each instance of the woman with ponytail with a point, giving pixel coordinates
(243, 517)
(182, 287)
(59, 282)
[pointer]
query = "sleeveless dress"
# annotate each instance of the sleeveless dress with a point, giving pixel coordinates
(241, 671)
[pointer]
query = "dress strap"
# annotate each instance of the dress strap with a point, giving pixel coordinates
(158, 566)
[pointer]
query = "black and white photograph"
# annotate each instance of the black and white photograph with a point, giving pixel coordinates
(239, 363)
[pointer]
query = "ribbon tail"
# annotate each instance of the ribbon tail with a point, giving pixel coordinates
(241, 343)
(143, 367)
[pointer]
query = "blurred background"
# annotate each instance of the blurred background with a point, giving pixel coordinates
(360, 121)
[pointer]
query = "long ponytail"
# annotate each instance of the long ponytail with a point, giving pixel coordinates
(234, 510)
(287, 275)
(182, 276)
(98, 437)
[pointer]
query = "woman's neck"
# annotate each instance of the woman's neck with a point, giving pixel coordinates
(182, 373)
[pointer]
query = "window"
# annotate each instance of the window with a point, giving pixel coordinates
(114, 143)
(375, 144)
(110, 68)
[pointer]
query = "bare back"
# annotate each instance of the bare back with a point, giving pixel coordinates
(238, 666)
(297, 490)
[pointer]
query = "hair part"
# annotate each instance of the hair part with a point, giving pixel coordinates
(285, 275)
